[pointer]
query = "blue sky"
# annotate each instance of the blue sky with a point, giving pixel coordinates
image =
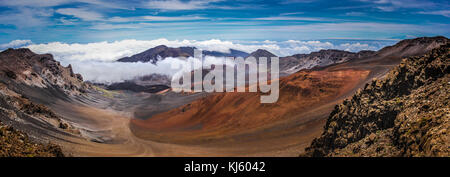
(111, 20)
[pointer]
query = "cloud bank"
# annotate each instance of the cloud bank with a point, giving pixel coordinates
(15, 44)
(97, 61)
(111, 72)
(111, 51)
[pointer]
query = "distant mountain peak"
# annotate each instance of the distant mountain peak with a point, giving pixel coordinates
(161, 52)
(262, 53)
(25, 67)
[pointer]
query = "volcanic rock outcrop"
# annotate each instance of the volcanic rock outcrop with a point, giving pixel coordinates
(27, 80)
(406, 113)
(22, 66)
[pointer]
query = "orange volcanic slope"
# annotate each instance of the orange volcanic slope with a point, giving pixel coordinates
(223, 115)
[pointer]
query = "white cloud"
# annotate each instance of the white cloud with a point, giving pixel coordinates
(359, 26)
(356, 14)
(111, 51)
(285, 18)
(67, 21)
(53, 3)
(32, 3)
(356, 47)
(180, 5)
(94, 71)
(291, 13)
(81, 13)
(445, 13)
(15, 44)
(392, 5)
(26, 17)
(155, 18)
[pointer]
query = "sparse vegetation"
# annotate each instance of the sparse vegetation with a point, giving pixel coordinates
(14, 143)
(106, 93)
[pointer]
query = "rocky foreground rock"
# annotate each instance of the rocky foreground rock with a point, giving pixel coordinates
(406, 113)
(24, 77)
(14, 143)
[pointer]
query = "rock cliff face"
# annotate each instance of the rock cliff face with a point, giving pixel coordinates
(25, 78)
(406, 113)
(22, 66)
(17, 109)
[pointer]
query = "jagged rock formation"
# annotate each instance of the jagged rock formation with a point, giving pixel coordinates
(17, 108)
(14, 143)
(22, 66)
(27, 80)
(406, 113)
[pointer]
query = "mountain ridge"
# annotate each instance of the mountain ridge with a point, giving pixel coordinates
(161, 52)
(403, 114)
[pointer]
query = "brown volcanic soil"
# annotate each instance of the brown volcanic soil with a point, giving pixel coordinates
(235, 119)
(236, 124)
(239, 125)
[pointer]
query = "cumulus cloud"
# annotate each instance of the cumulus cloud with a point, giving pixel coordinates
(356, 47)
(97, 61)
(111, 72)
(111, 51)
(15, 44)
